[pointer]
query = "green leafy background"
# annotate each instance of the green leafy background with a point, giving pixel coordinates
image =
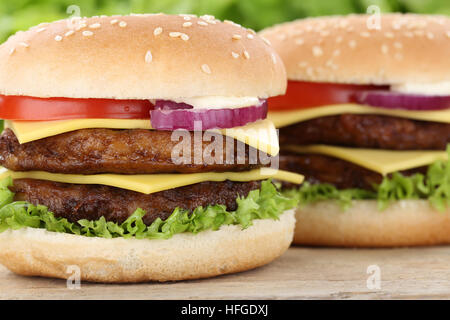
(257, 14)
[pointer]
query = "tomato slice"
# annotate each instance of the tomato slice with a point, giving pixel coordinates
(32, 108)
(302, 95)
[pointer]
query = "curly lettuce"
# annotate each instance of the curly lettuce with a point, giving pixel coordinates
(433, 186)
(265, 203)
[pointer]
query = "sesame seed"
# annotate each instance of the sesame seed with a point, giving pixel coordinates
(317, 51)
(336, 52)
(122, 24)
(398, 45)
(148, 57)
(87, 33)
(266, 41)
(339, 39)
(187, 18)
(187, 24)
(174, 34)
(157, 31)
(69, 33)
(114, 21)
(202, 23)
(389, 35)
(384, 49)
(184, 37)
(236, 37)
(12, 51)
(299, 42)
(430, 35)
(398, 56)
(324, 33)
(235, 55)
(250, 36)
(81, 26)
(24, 44)
(251, 31)
(228, 22)
(95, 26)
(206, 69)
(419, 33)
(352, 44)
(448, 34)
(246, 55)
(274, 58)
(365, 34)
(303, 64)
(40, 30)
(58, 38)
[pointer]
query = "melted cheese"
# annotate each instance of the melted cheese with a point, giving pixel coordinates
(286, 118)
(381, 161)
(151, 183)
(261, 135)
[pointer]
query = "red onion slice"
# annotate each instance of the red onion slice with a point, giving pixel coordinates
(395, 100)
(169, 115)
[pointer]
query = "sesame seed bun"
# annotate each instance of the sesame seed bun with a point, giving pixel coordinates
(346, 49)
(140, 57)
(37, 252)
(403, 223)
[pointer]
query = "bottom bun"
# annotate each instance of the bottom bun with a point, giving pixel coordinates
(403, 223)
(37, 252)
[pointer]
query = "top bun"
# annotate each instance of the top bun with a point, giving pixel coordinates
(151, 56)
(406, 48)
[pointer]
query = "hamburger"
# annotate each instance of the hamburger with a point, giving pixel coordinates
(128, 150)
(366, 119)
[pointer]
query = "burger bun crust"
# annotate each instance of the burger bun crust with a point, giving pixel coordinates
(403, 223)
(37, 252)
(149, 56)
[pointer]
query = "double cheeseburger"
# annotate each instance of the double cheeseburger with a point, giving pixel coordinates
(102, 168)
(366, 119)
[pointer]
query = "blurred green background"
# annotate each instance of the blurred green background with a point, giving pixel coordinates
(21, 14)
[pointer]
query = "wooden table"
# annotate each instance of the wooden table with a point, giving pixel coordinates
(301, 273)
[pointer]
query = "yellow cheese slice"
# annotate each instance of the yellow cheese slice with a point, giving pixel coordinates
(151, 183)
(286, 118)
(261, 135)
(381, 161)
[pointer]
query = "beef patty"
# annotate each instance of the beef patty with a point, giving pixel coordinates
(136, 151)
(75, 202)
(340, 173)
(368, 131)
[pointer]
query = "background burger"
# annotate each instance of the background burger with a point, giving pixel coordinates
(366, 119)
(92, 181)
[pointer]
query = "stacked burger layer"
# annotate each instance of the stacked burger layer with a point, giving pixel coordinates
(366, 119)
(130, 149)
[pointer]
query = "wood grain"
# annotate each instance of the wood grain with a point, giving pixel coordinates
(301, 273)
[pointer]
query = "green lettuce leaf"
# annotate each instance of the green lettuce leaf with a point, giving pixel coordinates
(433, 186)
(265, 203)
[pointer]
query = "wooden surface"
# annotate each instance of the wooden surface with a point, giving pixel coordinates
(301, 273)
